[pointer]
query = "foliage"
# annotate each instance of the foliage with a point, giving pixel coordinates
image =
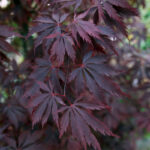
(65, 94)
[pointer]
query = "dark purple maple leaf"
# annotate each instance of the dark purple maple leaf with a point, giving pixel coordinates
(45, 69)
(97, 36)
(111, 12)
(15, 113)
(44, 104)
(63, 44)
(25, 141)
(84, 29)
(45, 26)
(42, 68)
(80, 120)
(94, 73)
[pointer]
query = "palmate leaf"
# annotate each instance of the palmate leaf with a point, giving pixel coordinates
(63, 44)
(44, 104)
(52, 37)
(111, 12)
(84, 29)
(26, 141)
(45, 26)
(80, 120)
(123, 7)
(15, 114)
(44, 69)
(97, 36)
(94, 73)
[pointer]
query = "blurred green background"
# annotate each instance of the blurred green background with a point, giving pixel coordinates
(145, 18)
(144, 142)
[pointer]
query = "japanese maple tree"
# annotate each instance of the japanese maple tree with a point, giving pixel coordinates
(54, 96)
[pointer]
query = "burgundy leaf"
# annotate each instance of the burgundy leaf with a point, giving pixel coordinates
(80, 122)
(95, 74)
(44, 104)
